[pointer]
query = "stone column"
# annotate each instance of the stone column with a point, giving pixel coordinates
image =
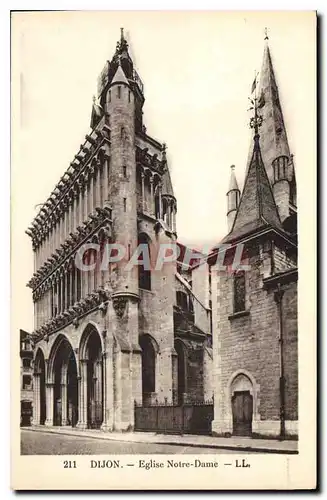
(100, 396)
(91, 194)
(98, 185)
(108, 395)
(49, 404)
(63, 394)
(69, 226)
(66, 291)
(95, 188)
(164, 375)
(86, 196)
(105, 180)
(36, 399)
(81, 205)
(72, 214)
(160, 202)
(142, 191)
(85, 277)
(151, 196)
(71, 290)
(57, 294)
(118, 391)
(51, 300)
(82, 396)
(64, 219)
(62, 297)
(75, 270)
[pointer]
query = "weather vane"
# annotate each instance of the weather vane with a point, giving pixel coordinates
(256, 120)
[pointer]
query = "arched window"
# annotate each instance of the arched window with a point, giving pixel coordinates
(181, 300)
(78, 284)
(148, 367)
(144, 270)
(239, 291)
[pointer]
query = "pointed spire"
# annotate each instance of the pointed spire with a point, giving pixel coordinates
(233, 198)
(257, 207)
(167, 185)
(274, 142)
(266, 34)
(233, 186)
(119, 76)
(122, 44)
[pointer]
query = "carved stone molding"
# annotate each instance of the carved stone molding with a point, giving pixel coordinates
(119, 304)
(97, 221)
(60, 199)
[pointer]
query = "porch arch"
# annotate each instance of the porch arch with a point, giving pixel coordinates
(92, 380)
(39, 388)
(62, 382)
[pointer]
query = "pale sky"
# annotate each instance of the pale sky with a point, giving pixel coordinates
(197, 69)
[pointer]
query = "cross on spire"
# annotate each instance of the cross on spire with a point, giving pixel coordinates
(266, 34)
(256, 120)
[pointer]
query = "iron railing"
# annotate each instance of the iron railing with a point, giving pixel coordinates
(189, 418)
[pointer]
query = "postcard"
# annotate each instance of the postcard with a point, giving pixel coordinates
(163, 250)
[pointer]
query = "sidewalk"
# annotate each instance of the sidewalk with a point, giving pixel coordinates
(216, 443)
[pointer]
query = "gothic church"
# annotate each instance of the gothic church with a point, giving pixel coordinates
(109, 343)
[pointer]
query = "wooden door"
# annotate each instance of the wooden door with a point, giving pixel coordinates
(242, 407)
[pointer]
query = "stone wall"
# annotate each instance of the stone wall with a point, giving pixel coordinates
(248, 343)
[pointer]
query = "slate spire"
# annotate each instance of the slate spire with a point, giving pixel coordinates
(257, 207)
(273, 136)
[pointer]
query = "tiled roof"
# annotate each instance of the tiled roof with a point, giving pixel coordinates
(257, 206)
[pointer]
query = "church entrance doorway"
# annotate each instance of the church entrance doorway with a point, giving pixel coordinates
(242, 408)
(65, 410)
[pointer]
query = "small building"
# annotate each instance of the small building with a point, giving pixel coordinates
(26, 377)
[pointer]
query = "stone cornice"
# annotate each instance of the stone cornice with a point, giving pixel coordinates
(97, 221)
(74, 179)
(283, 278)
(74, 314)
(152, 162)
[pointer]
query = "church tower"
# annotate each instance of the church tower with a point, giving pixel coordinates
(254, 315)
(274, 144)
(104, 332)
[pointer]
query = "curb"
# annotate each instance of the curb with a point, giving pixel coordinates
(170, 443)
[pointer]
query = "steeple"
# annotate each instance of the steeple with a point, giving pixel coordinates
(273, 136)
(257, 207)
(120, 69)
(233, 198)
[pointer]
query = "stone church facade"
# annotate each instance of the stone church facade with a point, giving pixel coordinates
(109, 338)
(114, 337)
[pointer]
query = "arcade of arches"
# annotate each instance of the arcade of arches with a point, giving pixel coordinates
(70, 390)
(71, 385)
